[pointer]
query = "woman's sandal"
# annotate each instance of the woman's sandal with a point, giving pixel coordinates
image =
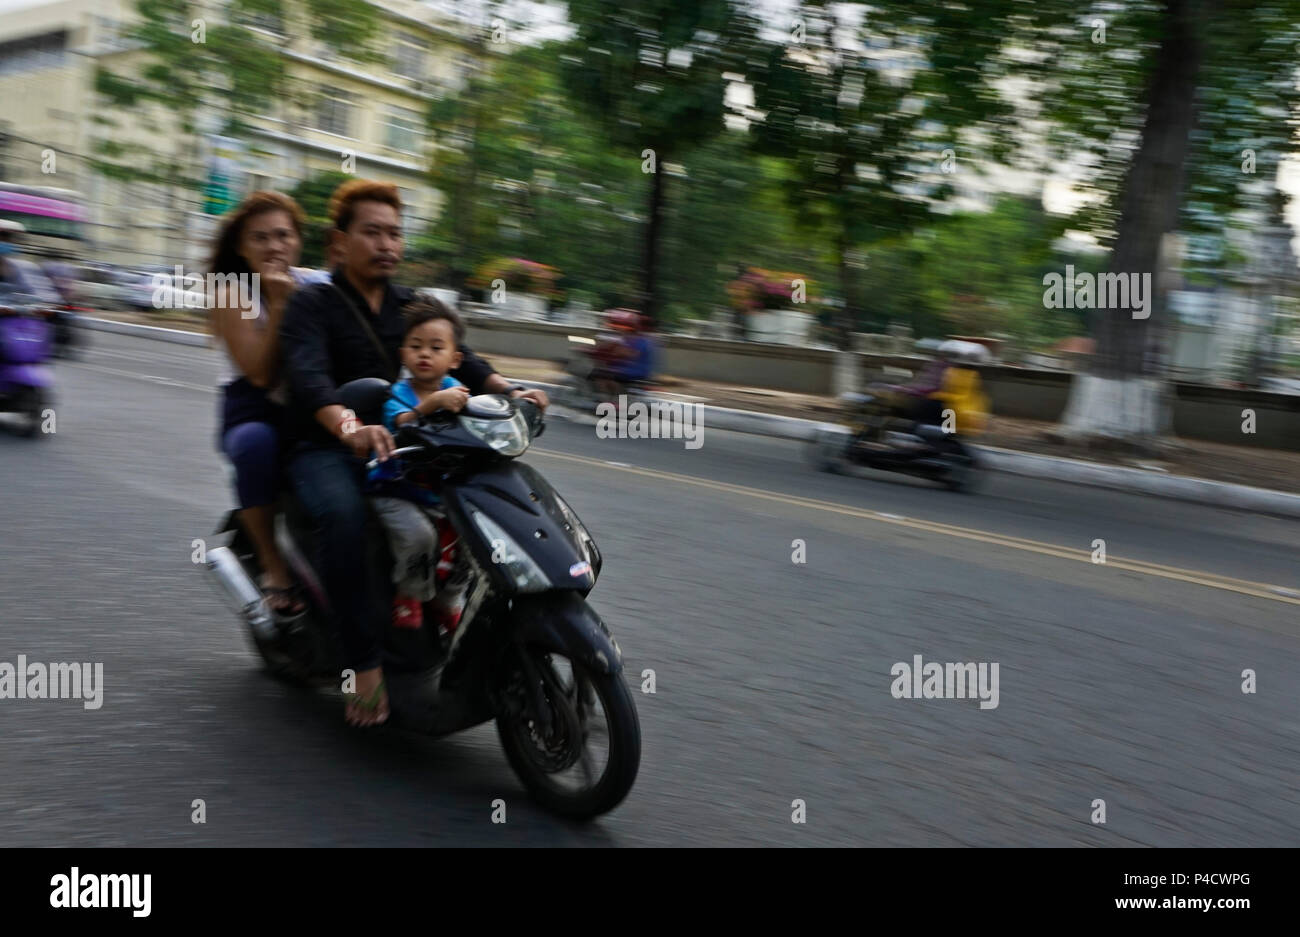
(291, 596)
(369, 703)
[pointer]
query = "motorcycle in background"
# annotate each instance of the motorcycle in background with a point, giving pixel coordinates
(26, 343)
(892, 432)
(63, 316)
(592, 362)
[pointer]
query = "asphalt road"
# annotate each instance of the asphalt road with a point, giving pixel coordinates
(1118, 681)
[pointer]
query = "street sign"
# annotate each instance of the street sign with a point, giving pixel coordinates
(224, 187)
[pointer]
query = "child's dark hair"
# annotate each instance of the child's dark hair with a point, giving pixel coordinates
(424, 309)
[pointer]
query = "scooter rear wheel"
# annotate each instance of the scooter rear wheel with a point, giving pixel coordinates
(287, 662)
(826, 451)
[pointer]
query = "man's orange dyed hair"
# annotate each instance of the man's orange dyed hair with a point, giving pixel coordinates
(343, 201)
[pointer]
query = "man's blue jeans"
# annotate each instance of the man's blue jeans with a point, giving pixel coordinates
(328, 483)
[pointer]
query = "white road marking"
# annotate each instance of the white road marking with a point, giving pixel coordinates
(205, 358)
(151, 378)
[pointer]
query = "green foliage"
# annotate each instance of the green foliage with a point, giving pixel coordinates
(651, 77)
(313, 195)
(728, 211)
(839, 174)
(522, 176)
(650, 74)
(1095, 97)
(973, 273)
(869, 118)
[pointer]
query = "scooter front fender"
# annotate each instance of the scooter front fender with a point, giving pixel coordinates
(565, 622)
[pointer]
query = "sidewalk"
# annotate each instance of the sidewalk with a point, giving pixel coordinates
(1205, 472)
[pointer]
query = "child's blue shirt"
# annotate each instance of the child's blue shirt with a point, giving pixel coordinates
(385, 478)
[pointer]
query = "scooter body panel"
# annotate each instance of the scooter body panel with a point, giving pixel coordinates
(18, 377)
(24, 339)
(522, 503)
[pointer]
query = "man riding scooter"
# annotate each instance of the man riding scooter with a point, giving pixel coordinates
(26, 305)
(19, 275)
(944, 383)
(336, 332)
(624, 358)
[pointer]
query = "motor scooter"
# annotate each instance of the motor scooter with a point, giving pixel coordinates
(882, 436)
(26, 343)
(528, 650)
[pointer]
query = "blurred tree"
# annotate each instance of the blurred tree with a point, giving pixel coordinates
(730, 211)
(653, 76)
(313, 195)
(523, 177)
(973, 273)
(1178, 113)
(1118, 85)
(867, 105)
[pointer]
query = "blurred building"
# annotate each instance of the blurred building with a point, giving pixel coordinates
(1237, 330)
(340, 115)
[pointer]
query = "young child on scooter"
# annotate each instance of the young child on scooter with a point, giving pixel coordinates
(411, 513)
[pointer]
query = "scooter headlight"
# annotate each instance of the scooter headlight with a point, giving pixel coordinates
(588, 543)
(521, 569)
(509, 437)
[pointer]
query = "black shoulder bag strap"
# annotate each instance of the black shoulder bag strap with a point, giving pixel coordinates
(391, 374)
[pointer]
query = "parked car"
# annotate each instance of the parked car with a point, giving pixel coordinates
(1280, 385)
(100, 287)
(144, 295)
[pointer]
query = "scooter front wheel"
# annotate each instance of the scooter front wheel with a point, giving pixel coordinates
(32, 407)
(964, 476)
(570, 733)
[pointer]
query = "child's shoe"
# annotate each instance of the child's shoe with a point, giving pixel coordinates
(407, 613)
(447, 540)
(449, 618)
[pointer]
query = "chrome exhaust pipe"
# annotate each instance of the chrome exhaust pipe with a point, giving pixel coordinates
(240, 592)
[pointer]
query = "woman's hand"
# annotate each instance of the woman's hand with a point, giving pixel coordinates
(277, 284)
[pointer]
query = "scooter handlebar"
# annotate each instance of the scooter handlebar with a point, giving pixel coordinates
(405, 450)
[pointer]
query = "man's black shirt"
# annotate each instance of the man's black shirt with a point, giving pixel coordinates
(323, 346)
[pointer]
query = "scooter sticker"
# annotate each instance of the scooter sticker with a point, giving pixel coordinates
(578, 569)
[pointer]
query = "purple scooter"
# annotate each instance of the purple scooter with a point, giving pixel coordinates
(26, 341)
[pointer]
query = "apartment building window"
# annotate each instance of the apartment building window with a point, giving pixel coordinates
(403, 129)
(413, 220)
(334, 112)
(109, 35)
(268, 22)
(35, 52)
(463, 70)
(409, 54)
